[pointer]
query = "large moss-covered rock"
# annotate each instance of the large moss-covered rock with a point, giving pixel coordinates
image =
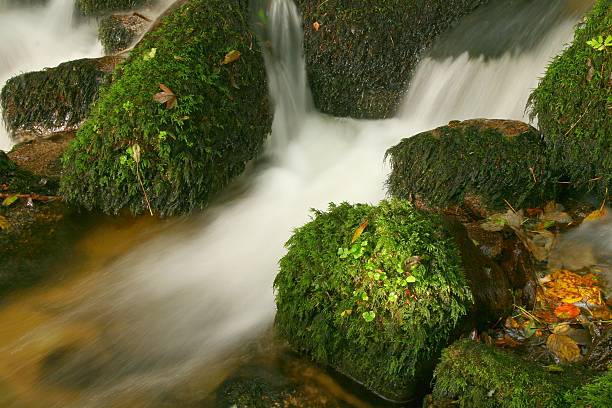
(479, 164)
(376, 306)
(596, 394)
(38, 104)
(360, 54)
(209, 118)
(472, 374)
(100, 7)
(117, 31)
(573, 106)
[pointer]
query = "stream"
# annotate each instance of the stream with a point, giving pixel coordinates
(158, 313)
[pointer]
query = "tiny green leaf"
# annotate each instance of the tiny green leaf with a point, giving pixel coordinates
(411, 279)
(10, 200)
(368, 316)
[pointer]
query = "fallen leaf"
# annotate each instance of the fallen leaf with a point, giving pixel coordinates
(602, 313)
(553, 368)
(8, 201)
(597, 214)
(230, 57)
(563, 347)
(507, 341)
(4, 224)
(316, 25)
(546, 315)
(359, 231)
(166, 96)
(533, 212)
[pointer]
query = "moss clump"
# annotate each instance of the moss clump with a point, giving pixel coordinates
(361, 58)
(596, 394)
(189, 151)
(55, 99)
(377, 309)
(489, 160)
(117, 32)
(573, 106)
(476, 375)
(99, 7)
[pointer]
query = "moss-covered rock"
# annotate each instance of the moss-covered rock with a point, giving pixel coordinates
(596, 394)
(101, 7)
(473, 374)
(117, 32)
(360, 54)
(477, 164)
(573, 106)
(377, 309)
(214, 119)
(38, 104)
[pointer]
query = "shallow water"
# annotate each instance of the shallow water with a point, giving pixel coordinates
(185, 301)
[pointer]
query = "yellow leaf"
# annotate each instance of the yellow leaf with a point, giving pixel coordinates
(230, 57)
(4, 224)
(359, 231)
(600, 213)
(563, 347)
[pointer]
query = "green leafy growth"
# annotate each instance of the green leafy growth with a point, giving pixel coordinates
(218, 120)
(54, 98)
(494, 161)
(596, 394)
(473, 374)
(99, 7)
(377, 309)
(573, 105)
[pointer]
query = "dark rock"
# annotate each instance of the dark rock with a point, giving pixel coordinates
(600, 355)
(361, 57)
(102, 7)
(117, 32)
(480, 166)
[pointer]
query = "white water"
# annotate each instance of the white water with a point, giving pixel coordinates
(196, 293)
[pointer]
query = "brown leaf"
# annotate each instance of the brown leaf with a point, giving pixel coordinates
(230, 57)
(166, 96)
(316, 25)
(563, 347)
(359, 230)
(507, 341)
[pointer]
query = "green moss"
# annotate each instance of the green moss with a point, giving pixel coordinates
(476, 375)
(361, 59)
(377, 309)
(98, 7)
(188, 152)
(56, 98)
(491, 160)
(596, 394)
(573, 106)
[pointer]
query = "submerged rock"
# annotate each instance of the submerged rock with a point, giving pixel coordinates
(360, 56)
(377, 292)
(40, 104)
(479, 165)
(180, 119)
(572, 105)
(101, 7)
(472, 374)
(117, 32)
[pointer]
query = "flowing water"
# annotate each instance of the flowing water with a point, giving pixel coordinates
(154, 307)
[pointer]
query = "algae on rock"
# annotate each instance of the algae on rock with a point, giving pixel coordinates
(574, 108)
(213, 119)
(56, 99)
(360, 54)
(481, 164)
(374, 292)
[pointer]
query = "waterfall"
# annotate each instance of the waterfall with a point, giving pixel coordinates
(202, 288)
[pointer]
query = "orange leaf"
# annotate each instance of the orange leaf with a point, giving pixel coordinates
(359, 231)
(563, 347)
(599, 213)
(566, 311)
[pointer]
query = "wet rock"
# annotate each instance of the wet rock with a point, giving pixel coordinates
(360, 56)
(117, 32)
(478, 166)
(40, 104)
(600, 356)
(102, 7)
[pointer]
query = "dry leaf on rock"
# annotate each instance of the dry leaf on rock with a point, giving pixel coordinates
(563, 347)
(4, 224)
(166, 96)
(359, 230)
(230, 57)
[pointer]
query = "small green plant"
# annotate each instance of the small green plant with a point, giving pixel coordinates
(601, 44)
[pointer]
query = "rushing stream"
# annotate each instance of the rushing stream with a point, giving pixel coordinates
(152, 306)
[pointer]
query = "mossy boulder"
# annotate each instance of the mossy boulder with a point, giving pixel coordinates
(38, 104)
(194, 116)
(472, 374)
(573, 106)
(117, 31)
(596, 394)
(480, 165)
(101, 7)
(377, 306)
(360, 54)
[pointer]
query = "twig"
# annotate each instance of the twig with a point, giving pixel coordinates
(509, 205)
(137, 14)
(579, 119)
(143, 189)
